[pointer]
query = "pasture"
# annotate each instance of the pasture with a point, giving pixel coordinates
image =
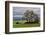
(22, 24)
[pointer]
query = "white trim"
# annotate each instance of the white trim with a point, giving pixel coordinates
(24, 29)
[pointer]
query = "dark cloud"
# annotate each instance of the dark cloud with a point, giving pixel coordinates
(17, 11)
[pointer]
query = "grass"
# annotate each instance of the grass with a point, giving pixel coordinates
(22, 25)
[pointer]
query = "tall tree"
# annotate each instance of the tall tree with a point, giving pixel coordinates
(28, 15)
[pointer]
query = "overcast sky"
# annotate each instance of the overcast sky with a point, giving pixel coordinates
(19, 11)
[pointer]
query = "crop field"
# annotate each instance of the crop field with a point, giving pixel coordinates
(22, 24)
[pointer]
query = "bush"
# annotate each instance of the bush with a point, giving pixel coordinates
(17, 22)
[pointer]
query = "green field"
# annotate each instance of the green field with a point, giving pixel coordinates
(22, 25)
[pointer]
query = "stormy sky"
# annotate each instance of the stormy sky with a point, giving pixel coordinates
(19, 11)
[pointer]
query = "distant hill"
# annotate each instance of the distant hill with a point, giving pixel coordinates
(23, 18)
(18, 18)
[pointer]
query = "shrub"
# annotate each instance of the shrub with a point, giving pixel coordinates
(17, 22)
